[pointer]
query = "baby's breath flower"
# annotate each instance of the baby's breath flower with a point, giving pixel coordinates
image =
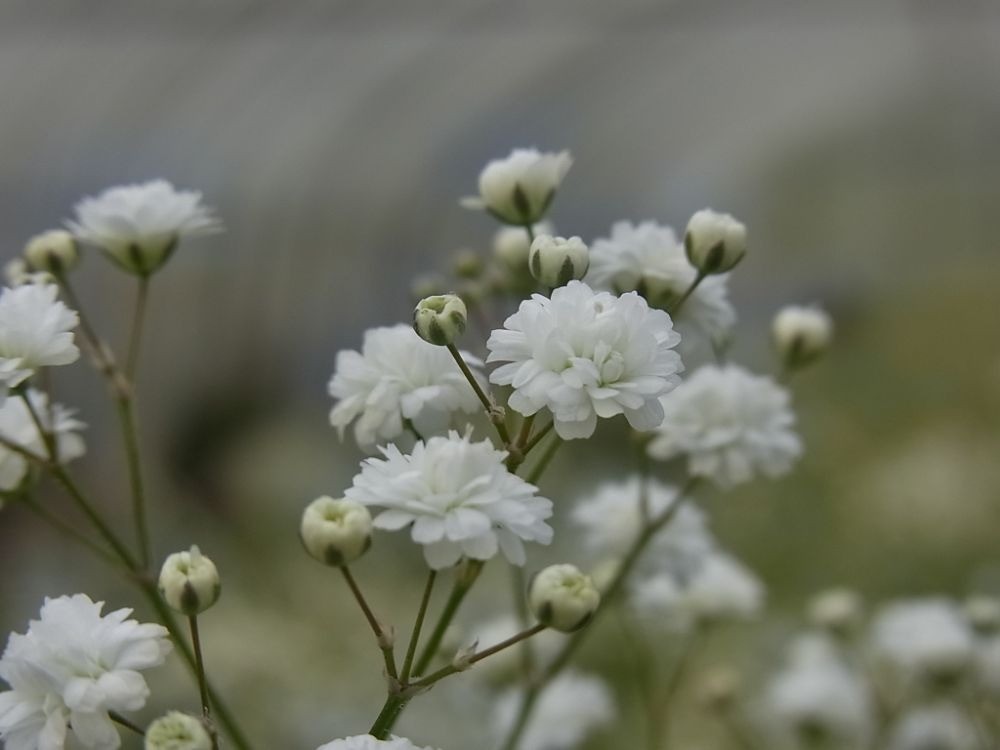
(17, 426)
(440, 319)
(395, 378)
(555, 261)
(714, 242)
(458, 497)
(520, 188)
(367, 742)
(177, 731)
(730, 424)
(939, 726)
(336, 532)
(563, 598)
(801, 334)
(139, 226)
(585, 355)
(189, 582)
(511, 246)
(36, 330)
(838, 611)
(53, 252)
(923, 640)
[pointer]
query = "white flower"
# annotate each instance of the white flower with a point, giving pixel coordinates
(459, 498)
(396, 377)
(650, 259)
(838, 611)
(511, 246)
(563, 598)
(801, 334)
(923, 639)
(714, 242)
(139, 226)
(817, 698)
(519, 189)
(586, 355)
(936, 727)
(568, 710)
(17, 426)
(610, 520)
(54, 251)
(719, 588)
(730, 423)
(36, 330)
(70, 670)
(367, 742)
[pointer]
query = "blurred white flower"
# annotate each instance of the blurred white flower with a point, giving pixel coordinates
(519, 189)
(139, 226)
(17, 426)
(586, 355)
(987, 665)
(731, 425)
(367, 742)
(839, 611)
(610, 520)
(923, 639)
(36, 330)
(818, 699)
(936, 727)
(572, 706)
(801, 334)
(718, 588)
(511, 246)
(649, 258)
(459, 498)
(70, 669)
(395, 377)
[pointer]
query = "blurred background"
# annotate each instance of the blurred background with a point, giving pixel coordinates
(857, 140)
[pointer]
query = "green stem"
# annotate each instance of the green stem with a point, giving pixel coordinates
(117, 718)
(451, 669)
(528, 701)
(130, 435)
(393, 707)
(138, 320)
(537, 437)
(675, 308)
(544, 461)
(382, 636)
(463, 582)
(531, 232)
(518, 587)
(494, 412)
(206, 708)
(418, 624)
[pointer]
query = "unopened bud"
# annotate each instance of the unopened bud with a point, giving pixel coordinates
(468, 265)
(189, 582)
(336, 532)
(838, 611)
(511, 246)
(714, 242)
(556, 261)
(440, 319)
(801, 334)
(983, 614)
(563, 598)
(54, 251)
(177, 731)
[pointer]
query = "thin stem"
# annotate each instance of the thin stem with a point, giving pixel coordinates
(102, 358)
(117, 718)
(515, 451)
(518, 587)
(138, 320)
(390, 712)
(494, 412)
(382, 636)
(700, 277)
(544, 461)
(478, 657)
(537, 437)
(206, 709)
(528, 701)
(644, 665)
(531, 232)
(418, 624)
(130, 434)
(463, 582)
(68, 530)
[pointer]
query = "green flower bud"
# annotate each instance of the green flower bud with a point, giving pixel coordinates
(714, 242)
(563, 598)
(440, 319)
(555, 261)
(177, 731)
(189, 582)
(336, 532)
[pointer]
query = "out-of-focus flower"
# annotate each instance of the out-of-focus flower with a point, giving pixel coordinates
(511, 246)
(714, 242)
(983, 613)
(648, 258)
(70, 670)
(838, 611)
(563, 598)
(458, 497)
(395, 378)
(572, 707)
(926, 640)
(730, 424)
(801, 334)
(177, 731)
(585, 355)
(189, 582)
(367, 742)
(936, 727)
(36, 330)
(520, 188)
(52, 252)
(556, 261)
(440, 319)
(139, 226)
(17, 426)
(336, 532)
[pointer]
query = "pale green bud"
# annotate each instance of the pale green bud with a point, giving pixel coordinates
(54, 251)
(555, 261)
(563, 598)
(177, 731)
(189, 582)
(715, 242)
(801, 335)
(440, 319)
(336, 532)
(468, 265)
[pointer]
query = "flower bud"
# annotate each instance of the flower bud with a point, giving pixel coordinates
(336, 532)
(440, 319)
(177, 731)
(511, 246)
(555, 261)
(189, 582)
(714, 242)
(54, 251)
(468, 265)
(801, 334)
(838, 611)
(563, 598)
(519, 189)
(983, 614)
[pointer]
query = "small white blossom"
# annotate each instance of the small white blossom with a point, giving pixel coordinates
(648, 258)
(36, 330)
(53, 252)
(18, 426)
(838, 611)
(730, 424)
(459, 498)
(585, 355)
(714, 242)
(555, 261)
(818, 699)
(935, 727)
(177, 731)
(923, 639)
(397, 377)
(511, 246)
(367, 742)
(139, 226)
(563, 598)
(70, 670)
(801, 334)
(519, 189)
(570, 708)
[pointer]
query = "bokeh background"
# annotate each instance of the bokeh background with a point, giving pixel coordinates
(858, 140)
